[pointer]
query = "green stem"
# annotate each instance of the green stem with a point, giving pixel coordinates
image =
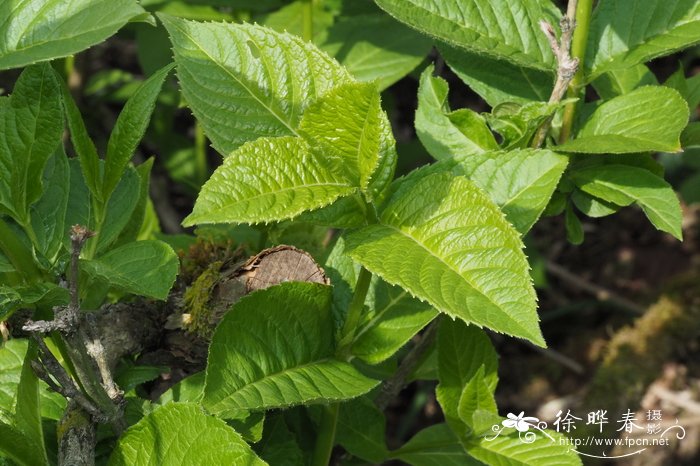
(307, 21)
(18, 254)
(325, 440)
(354, 315)
(578, 50)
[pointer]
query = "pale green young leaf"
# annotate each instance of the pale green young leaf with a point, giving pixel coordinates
(503, 29)
(464, 352)
(182, 433)
(361, 430)
(283, 355)
(38, 30)
(498, 81)
(624, 33)
(48, 214)
(268, 180)
(27, 413)
(647, 119)
(375, 48)
(145, 268)
(31, 124)
(443, 240)
(622, 81)
(130, 128)
(229, 81)
(436, 445)
(517, 124)
(509, 449)
(444, 133)
(348, 126)
(623, 185)
(477, 406)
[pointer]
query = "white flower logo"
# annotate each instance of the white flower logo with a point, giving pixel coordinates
(520, 422)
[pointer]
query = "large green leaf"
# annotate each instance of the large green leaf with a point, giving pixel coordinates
(511, 450)
(31, 124)
(498, 81)
(649, 118)
(520, 182)
(436, 445)
(145, 268)
(376, 48)
(624, 33)
(361, 430)
(37, 30)
(20, 448)
(623, 185)
(465, 353)
(283, 354)
(348, 125)
(243, 81)
(181, 433)
(500, 28)
(393, 319)
(27, 413)
(268, 180)
(444, 241)
(622, 81)
(129, 129)
(48, 214)
(444, 133)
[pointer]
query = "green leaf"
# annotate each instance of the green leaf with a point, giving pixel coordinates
(444, 133)
(129, 129)
(31, 124)
(42, 295)
(499, 28)
(649, 118)
(592, 206)
(78, 212)
(138, 217)
(517, 123)
(393, 319)
(38, 30)
(83, 145)
(188, 389)
(348, 126)
(268, 180)
(48, 214)
(279, 446)
(436, 445)
(144, 268)
(181, 433)
(574, 229)
(477, 405)
(498, 81)
(27, 414)
(624, 185)
(243, 81)
(376, 48)
(283, 355)
(465, 353)
(361, 430)
(120, 207)
(444, 241)
(622, 81)
(520, 182)
(511, 450)
(624, 33)
(290, 18)
(688, 88)
(691, 135)
(20, 448)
